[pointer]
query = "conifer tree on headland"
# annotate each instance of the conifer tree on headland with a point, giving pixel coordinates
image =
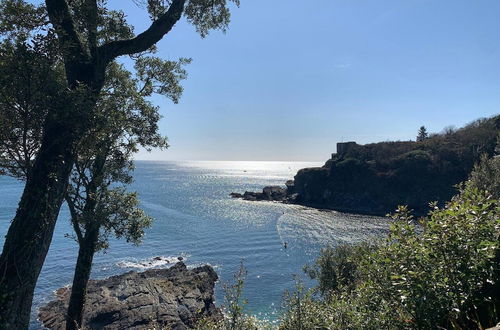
(422, 134)
(85, 37)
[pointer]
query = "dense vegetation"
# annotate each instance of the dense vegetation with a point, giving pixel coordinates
(376, 178)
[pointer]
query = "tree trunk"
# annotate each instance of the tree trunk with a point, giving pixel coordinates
(30, 233)
(87, 243)
(81, 278)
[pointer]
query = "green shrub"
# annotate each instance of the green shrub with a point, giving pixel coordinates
(302, 311)
(441, 273)
(234, 317)
(336, 269)
(486, 175)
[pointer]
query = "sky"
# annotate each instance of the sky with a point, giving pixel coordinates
(291, 78)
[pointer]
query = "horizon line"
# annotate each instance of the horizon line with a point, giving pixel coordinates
(222, 160)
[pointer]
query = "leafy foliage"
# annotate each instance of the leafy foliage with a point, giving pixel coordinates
(161, 77)
(336, 269)
(29, 84)
(234, 317)
(209, 15)
(441, 273)
(18, 18)
(486, 176)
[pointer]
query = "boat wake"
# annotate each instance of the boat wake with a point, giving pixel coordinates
(305, 226)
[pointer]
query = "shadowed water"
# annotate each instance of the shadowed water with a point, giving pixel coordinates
(197, 220)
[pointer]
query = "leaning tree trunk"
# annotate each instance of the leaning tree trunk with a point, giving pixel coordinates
(81, 278)
(30, 233)
(87, 243)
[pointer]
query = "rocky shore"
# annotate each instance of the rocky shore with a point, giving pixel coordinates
(173, 298)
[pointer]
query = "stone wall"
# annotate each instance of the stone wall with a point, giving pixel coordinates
(344, 147)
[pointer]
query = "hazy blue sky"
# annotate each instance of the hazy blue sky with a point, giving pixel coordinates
(291, 78)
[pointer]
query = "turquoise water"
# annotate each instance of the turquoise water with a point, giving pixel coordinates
(196, 219)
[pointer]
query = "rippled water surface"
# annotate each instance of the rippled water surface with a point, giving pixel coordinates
(196, 219)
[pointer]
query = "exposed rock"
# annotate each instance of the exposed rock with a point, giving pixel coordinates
(252, 196)
(290, 187)
(173, 298)
(274, 193)
(270, 193)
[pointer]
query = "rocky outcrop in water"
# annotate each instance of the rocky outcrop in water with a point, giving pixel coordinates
(173, 298)
(270, 193)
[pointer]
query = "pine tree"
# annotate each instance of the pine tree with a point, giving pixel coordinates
(422, 134)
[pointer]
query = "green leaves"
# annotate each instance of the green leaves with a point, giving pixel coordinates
(122, 216)
(204, 15)
(444, 275)
(161, 76)
(208, 15)
(234, 317)
(19, 19)
(30, 83)
(156, 8)
(124, 120)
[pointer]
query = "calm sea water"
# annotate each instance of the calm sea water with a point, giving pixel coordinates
(196, 219)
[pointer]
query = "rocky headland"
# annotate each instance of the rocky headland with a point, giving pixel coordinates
(173, 298)
(376, 178)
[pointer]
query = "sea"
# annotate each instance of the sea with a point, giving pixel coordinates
(196, 219)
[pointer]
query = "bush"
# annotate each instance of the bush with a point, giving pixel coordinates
(234, 317)
(486, 175)
(336, 269)
(302, 312)
(441, 273)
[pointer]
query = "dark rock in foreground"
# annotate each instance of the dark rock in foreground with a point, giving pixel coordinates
(173, 298)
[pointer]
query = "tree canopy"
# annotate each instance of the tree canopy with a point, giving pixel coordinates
(80, 39)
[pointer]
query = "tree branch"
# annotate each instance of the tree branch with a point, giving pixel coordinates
(146, 39)
(74, 218)
(60, 17)
(91, 13)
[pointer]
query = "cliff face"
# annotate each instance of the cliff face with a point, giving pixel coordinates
(376, 178)
(173, 298)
